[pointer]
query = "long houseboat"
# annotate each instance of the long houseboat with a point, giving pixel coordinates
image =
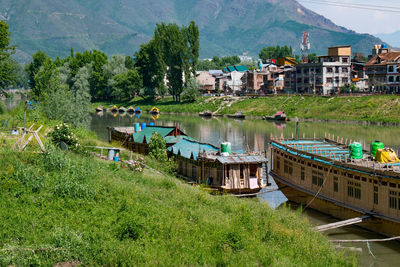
(238, 173)
(319, 173)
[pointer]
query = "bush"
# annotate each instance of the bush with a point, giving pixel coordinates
(2, 108)
(137, 165)
(192, 90)
(63, 133)
(158, 147)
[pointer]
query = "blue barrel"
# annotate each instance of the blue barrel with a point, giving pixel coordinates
(136, 127)
(116, 157)
(151, 124)
(111, 154)
(143, 124)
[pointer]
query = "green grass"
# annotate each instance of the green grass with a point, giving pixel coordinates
(66, 207)
(367, 108)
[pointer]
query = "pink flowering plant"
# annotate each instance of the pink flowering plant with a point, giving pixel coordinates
(62, 133)
(137, 164)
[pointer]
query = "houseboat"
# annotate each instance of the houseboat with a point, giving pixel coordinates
(236, 173)
(321, 174)
(239, 173)
(279, 116)
(137, 138)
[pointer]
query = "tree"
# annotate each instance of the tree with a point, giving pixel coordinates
(273, 52)
(312, 58)
(127, 85)
(194, 45)
(158, 147)
(192, 90)
(97, 80)
(46, 80)
(33, 68)
(81, 94)
(8, 72)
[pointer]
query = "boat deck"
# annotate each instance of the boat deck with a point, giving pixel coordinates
(332, 151)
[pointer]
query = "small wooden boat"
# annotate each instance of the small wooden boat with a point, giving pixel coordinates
(122, 109)
(114, 109)
(206, 113)
(279, 116)
(130, 110)
(99, 108)
(237, 115)
(154, 110)
(138, 110)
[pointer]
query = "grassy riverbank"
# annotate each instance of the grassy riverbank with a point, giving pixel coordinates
(383, 108)
(65, 207)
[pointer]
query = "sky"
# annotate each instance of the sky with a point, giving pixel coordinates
(359, 20)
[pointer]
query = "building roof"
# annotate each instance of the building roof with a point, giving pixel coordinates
(175, 139)
(241, 68)
(215, 72)
(384, 59)
(190, 149)
(146, 134)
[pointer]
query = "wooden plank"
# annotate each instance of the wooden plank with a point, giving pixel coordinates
(335, 225)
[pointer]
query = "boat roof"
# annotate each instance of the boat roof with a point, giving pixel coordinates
(333, 153)
(147, 132)
(190, 149)
(236, 159)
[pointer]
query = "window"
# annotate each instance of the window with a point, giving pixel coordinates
(391, 79)
(345, 60)
(376, 199)
(335, 184)
(345, 80)
(288, 167)
(278, 163)
(329, 70)
(391, 69)
(329, 80)
(345, 70)
(303, 173)
(357, 190)
(317, 178)
(393, 199)
(337, 69)
(350, 189)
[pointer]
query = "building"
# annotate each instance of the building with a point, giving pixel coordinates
(207, 81)
(383, 72)
(327, 75)
(254, 80)
(358, 75)
(289, 79)
(286, 61)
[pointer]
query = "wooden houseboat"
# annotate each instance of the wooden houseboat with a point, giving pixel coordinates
(136, 138)
(319, 173)
(203, 163)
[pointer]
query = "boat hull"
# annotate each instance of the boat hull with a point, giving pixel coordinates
(297, 195)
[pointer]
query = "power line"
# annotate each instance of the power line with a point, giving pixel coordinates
(356, 6)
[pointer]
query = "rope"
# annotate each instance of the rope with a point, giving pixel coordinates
(367, 240)
(369, 249)
(319, 191)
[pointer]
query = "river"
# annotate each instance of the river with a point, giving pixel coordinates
(254, 134)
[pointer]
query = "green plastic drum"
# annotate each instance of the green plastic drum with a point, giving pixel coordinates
(375, 146)
(226, 147)
(356, 151)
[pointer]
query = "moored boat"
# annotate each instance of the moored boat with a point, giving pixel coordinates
(237, 115)
(122, 109)
(206, 113)
(154, 110)
(279, 116)
(114, 108)
(99, 108)
(130, 110)
(323, 175)
(138, 110)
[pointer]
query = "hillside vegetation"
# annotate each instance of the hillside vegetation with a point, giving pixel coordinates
(67, 208)
(120, 27)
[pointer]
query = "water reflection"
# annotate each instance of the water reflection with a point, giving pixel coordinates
(254, 135)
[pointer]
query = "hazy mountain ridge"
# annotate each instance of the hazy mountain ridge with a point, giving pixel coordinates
(226, 27)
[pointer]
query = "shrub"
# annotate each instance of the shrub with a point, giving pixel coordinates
(2, 108)
(63, 133)
(158, 147)
(137, 165)
(192, 90)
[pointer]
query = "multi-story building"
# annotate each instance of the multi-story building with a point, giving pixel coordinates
(327, 75)
(253, 81)
(383, 72)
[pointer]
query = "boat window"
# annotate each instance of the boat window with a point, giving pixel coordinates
(393, 199)
(376, 199)
(319, 167)
(288, 167)
(357, 177)
(278, 163)
(303, 173)
(364, 179)
(314, 166)
(335, 171)
(335, 184)
(253, 170)
(392, 185)
(350, 189)
(357, 190)
(309, 164)
(384, 183)
(317, 178)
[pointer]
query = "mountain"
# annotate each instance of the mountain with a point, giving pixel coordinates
(391, 38)
(120, 26)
